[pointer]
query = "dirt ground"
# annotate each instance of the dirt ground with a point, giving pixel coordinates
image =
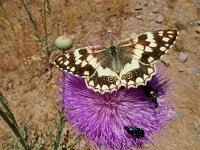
(32, 91)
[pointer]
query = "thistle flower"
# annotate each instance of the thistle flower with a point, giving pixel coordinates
(107, 119)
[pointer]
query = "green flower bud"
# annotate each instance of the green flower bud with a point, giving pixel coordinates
(63, 43)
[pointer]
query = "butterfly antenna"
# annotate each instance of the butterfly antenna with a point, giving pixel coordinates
(100, 41)
(111, 40)
(109, 37)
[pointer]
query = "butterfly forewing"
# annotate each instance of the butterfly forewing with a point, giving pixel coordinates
(81, 62)
(150, 46)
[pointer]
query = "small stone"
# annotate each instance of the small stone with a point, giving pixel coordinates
(197, 22)
(143, 3)
(183, 57)
(191, 23)
(181, 69)
(197, 129)
(139, 17)
(195, 51)
(99, 1)
(160, 19)
(156, 10)
(2, 28)
(10, 84)
(196, 138)
(197, 30)
(11, 68)
(1, 80)
(138, 7)
(166, 61)
(109, 31)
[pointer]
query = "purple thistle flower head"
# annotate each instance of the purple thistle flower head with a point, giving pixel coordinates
(109, 119)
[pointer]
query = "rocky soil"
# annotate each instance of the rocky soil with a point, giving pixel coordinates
(31, 86)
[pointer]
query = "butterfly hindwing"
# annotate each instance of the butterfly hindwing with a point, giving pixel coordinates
(103, 80)
(137, 76)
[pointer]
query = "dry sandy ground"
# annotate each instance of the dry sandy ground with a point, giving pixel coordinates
(32, 92)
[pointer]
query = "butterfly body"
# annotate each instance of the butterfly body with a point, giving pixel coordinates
(115, 59)
(130, 63)
(113, 50)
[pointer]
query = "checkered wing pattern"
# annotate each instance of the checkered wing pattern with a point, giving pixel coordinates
(89, 63)
(146, 49)
(131, 63)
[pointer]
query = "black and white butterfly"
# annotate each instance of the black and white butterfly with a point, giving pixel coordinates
(130, 63)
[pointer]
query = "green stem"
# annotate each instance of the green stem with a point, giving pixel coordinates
(60, 129)
(78, 138)
(32, 21)
(4, 102)
(10, 120)
(48, 6)
(45, 29)
(5, 16)
(14, 129)
(30, 16)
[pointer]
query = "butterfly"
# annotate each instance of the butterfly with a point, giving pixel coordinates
(130, 63)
